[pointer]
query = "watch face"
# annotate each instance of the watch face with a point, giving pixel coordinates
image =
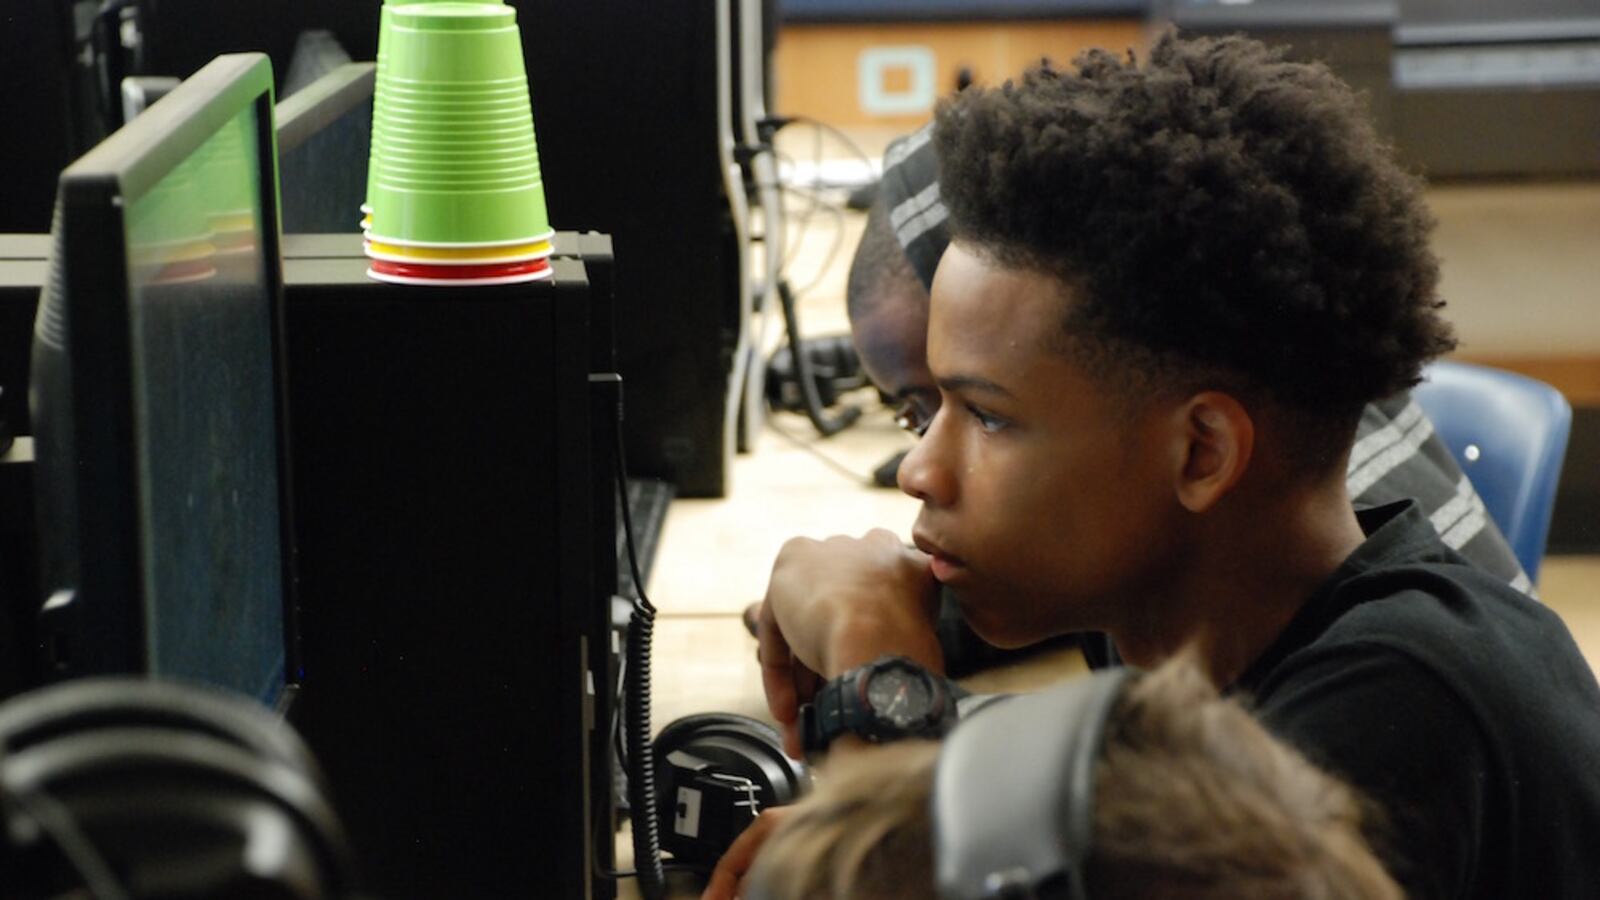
(900, 696)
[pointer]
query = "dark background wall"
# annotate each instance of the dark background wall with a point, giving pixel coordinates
(35, 54)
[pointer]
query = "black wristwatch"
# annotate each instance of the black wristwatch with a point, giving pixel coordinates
(885, 700)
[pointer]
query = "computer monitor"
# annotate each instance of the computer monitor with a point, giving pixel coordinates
(158, 399)
(324, 135)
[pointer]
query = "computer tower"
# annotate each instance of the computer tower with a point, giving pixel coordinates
(446, 496)
(629, 144)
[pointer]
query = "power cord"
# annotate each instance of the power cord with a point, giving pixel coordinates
(773, 124)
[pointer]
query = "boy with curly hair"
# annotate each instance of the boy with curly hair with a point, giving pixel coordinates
(1171, 290)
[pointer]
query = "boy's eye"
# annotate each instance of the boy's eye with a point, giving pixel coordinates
(914, 414)
(986, 421)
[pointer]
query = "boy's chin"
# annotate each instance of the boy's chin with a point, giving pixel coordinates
(999, 630)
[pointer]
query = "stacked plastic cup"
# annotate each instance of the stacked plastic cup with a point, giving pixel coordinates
(455, 188)
(377, 97)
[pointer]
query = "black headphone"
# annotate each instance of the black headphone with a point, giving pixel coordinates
(1013, 793)
(141, 787)
(717, 772)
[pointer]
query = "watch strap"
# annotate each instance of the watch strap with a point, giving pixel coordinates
(837, 709)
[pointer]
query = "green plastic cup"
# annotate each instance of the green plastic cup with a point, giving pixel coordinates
(380, 75)
(486, 157)
(444, 137)
(456, 160)
(408, 108)
(456, 122)
(433, 175)
(486, 145)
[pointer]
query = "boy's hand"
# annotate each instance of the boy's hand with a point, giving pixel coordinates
(833, 605)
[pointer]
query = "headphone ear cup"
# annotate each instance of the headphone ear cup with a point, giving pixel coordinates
(709, 768)
(684, 728)
(750, 742)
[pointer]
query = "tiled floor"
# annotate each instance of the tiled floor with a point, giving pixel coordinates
(1520, 270)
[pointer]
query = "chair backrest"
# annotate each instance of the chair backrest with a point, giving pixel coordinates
(1509, 433)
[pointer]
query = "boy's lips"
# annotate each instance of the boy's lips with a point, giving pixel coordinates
(946, 566)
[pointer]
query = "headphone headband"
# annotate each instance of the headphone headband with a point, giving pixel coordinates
(1013, 794)
(125, 775)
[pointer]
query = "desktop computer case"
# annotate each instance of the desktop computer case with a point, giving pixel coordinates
(449, 525)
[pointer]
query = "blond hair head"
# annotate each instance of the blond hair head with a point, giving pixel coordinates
(1193, 799)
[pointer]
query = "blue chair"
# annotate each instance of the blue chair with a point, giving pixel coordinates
(1509, 433)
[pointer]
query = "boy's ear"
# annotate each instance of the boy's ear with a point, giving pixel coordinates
(1217, 439)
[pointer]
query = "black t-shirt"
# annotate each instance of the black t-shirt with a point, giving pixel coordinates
(1461, 705)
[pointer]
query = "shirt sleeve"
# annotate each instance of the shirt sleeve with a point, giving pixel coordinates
(1392, 728)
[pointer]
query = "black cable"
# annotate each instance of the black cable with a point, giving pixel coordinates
(777, 123)
(641, 755)
(791, 247)
(825, 424)
(833, 248)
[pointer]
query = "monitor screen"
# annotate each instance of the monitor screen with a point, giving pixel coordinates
(158, 398)
(324, 134)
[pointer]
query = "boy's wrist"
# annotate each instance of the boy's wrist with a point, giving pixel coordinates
(863, 636)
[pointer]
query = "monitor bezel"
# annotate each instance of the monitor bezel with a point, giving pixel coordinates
(319, 104)
(95, 193)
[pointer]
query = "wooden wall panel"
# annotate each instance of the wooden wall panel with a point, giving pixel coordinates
(817, 67)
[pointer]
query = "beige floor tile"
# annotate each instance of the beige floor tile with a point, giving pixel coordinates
(704, 664)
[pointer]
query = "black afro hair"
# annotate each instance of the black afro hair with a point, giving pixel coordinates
(1219, 209)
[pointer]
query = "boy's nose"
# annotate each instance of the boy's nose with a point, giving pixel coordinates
(923, 474)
